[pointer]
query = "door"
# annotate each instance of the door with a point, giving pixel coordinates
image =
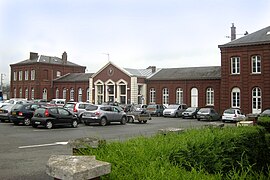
(64, 116)
(256, 101)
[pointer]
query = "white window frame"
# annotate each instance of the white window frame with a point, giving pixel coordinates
(235, 65)
(26, 74)
(32, 93)
(58, 73)
(210, 96)
(152, 95)
(15, 76)
(64, 93)
(57, 93)
(165, 96)
(26, 93)
(256, 98)
(33, 74)
(80, 91)
(256, 64)
(71, 94)
(179, 96)
(235, 97)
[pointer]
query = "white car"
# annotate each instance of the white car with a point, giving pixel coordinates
(233, 114)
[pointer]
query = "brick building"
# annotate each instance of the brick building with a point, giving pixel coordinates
(242, 81)
(33, 78)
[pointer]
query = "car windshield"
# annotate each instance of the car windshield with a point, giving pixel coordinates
(190, 109)
(229, 111)
(173, 106)
(91, 108)
(17, 106)
(7, 107)
(204, 110)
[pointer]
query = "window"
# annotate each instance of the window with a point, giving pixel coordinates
(256, 100)
(20, 75)
(235, 65)
(33, 74)
(256, 64)
(14, 76)
(14, 93)
(210, 96)
(71, 95)
(165, 96)
(26, 74)
(26, 93)
(20, 93)
(152, 95)
(58, 74)
(80, 95)
(235, 98)
(87, 95)
(44, 94)
(179, 96)
(32, 93)
(100, 93)
(64, 93)
(57, 93)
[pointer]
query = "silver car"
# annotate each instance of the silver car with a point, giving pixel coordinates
(77, 108)
(104, 114)
(174, 110)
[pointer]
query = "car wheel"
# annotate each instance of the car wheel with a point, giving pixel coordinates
(176, 115)
(145, 121)
(124, 120)
(74, 124)
(49, 125)
(158, 114)
(27, 121)
(34, 125)
(103, 121)
(183, 117)
(2, 120)
(87, 123)
(198, 119)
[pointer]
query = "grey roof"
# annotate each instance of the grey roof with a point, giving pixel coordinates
(188, 73)
(139, 72)
(47, 59)
(73, 77)
(259, 37)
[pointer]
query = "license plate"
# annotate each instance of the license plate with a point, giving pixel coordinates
(37, 122)
(13, 113)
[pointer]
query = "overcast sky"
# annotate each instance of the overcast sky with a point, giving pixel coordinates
(135, 33)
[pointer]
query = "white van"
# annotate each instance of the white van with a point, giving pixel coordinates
(58, 102)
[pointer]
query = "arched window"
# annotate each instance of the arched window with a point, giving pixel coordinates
(71, 97)
(235, 97)
(20, 92)
(165, 96)
(256, 64)
(32, 93)
(87, 95)
(179, 96)
(256, 100)
(57, 93)
(194, 97)
(44, 94)
(210, 96)
(26, 93)
(152, 95)
(64, 93)
(80, 95)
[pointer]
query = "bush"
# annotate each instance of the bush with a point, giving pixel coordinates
(210, 153)
(265, 122)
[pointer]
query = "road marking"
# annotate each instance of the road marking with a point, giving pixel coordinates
(43, 145)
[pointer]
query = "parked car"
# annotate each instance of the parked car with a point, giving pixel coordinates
(23, 112)
(233, 114)
(208, 114)
(155, 109)
(5, 112)
(174, 110)
(104, 114)
(266, 112)
(57, 102)
(52, 116)
(77, 108)
(190, 112)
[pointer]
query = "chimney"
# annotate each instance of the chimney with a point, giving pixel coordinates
(153, 68)
(33, 55)
(64, 57)
(233, 32)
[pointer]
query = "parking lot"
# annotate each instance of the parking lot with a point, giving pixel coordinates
(25, 150)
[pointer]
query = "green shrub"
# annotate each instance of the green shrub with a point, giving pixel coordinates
(265, 122)
(195, 154)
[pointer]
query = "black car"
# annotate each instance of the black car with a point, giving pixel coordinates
(190, 112)
(23, 112)
(52, 116)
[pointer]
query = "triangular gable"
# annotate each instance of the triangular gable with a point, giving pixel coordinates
(108, 64)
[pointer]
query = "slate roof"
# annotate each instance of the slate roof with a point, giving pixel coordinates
(73, 77)
(47, 59)
(259, 37)
(188, 73)
(139, 72)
